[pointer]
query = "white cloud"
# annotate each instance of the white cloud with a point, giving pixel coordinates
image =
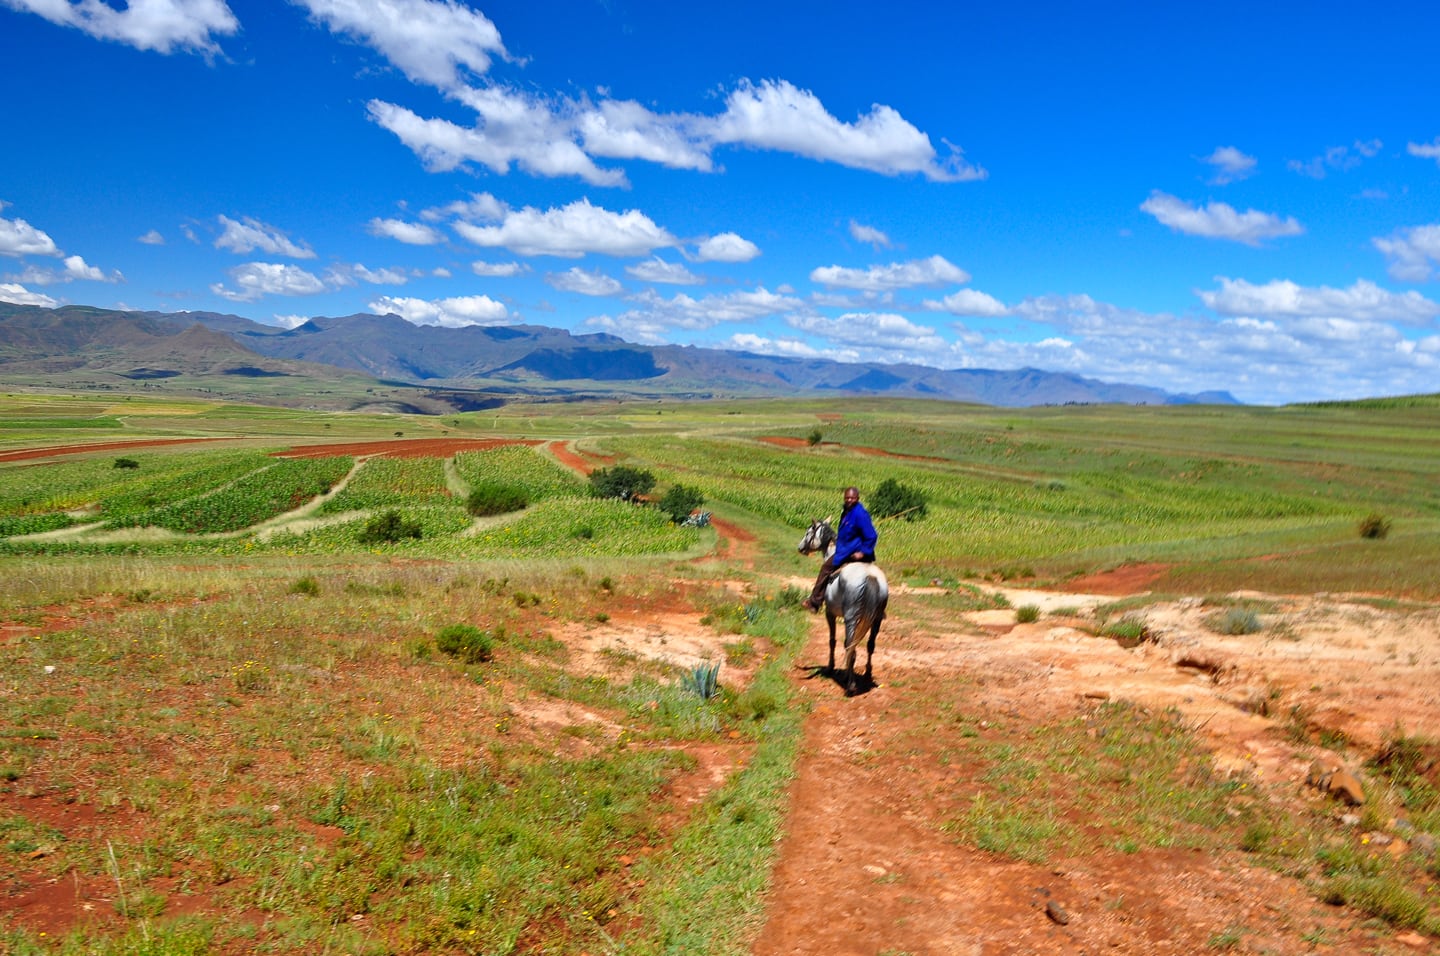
(452, 313)
(410, 233)
(656, 269)
(291, 321)
(1364, 301)
(881, 331)
(19, 295)
(498, 270)
(1414, 253)
(1217, 220)
(19, 238)
(726, 247)
(1230, 164)
(480, 207)
(657, 316)
(579, 280)
(429, 40)
(390, 276)
(152, 238)
(159, 25)
(969, 302)
(258, 279)
(777, 115)
(934, 271)
(869, 235)
(1425, 150)
(73, 268)
(764, 345)
(626, 130)
(1339, 158)
(571, 231)
(247, 235)
(515, 128)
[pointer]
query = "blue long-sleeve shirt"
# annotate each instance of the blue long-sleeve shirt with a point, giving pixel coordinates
(856, 533)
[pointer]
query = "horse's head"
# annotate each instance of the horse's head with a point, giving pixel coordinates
(819, 537)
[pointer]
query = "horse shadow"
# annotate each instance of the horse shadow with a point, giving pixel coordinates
(838, 677)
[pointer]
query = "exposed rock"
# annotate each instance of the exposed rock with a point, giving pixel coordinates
(1057, 913)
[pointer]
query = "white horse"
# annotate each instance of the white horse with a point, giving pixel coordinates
(857, 593)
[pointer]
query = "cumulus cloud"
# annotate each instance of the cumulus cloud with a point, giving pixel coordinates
(410, 233)
(159, 25)
(19, 295)
(561, 136)
(934, 271)
(570, 231)
(514, 128)
(429, 40)
(969, 302)
(452, 313)
(1337, 158)
(658, 270)
(1425, 150)
(389, 276)
(881, 331)
(1217, 220)
(480, 207)
(247, 235)
(498, 270)
(19, 238)
(777, 115)
(726, 247)
(869, 235)
(258, 279)
(151, 238)
(1414, 253)
(765, 345)
(656, 316)
(584, 282)
(1230, 164)
(1364, 301)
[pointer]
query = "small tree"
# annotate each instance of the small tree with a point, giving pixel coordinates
(494, 498)
(892, 499)
(622, 481)
(814, 438)
(679, 501)
(389, 528)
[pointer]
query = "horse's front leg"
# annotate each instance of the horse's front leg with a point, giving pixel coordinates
(850, 650)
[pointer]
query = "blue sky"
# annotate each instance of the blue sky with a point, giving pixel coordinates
(1232, 196)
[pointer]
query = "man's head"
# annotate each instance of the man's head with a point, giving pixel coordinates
(852, 496)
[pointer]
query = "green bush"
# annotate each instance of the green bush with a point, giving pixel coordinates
(125, 463)
(703, 681)
(1374, 526)
(389, 528)
(307, 586)
(894, 500)
(1237, 620)
(814, 438)
(494, 498)
(465, 641)
(1027, 614)
(1128, 631)
(679, 501)
(622, 481)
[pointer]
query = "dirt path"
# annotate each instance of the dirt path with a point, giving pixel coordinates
(867, 865)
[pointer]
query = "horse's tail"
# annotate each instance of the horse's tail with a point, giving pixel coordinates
(867, 599)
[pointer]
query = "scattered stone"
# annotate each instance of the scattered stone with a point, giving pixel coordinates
(1057, 913)
(875, 871)
(1424, 844)
(1345, 786)
(1412, 939)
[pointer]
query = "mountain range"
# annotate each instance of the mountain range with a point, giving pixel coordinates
(438, 370)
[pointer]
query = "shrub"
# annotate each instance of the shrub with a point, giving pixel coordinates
(703, 681)
(814, 438)
(1374, 526)
(679, 501)
(892, 500)
(307, 586)
(1237, 620)
(1127, 632)
(622, 481)
(125, 463)
(1027, 614)
(494, 498)
(465, 641)
(389, 528)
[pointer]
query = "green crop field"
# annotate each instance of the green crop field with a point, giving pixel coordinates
(252, 695)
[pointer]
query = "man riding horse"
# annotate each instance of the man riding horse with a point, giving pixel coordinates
(854, 541)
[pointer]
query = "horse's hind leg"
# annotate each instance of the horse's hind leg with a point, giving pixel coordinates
(870, 649)
(850, 688)
(831, 621)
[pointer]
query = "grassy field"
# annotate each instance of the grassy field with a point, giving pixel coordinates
(233, 719)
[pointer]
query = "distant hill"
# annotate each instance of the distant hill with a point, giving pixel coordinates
(453, 366)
